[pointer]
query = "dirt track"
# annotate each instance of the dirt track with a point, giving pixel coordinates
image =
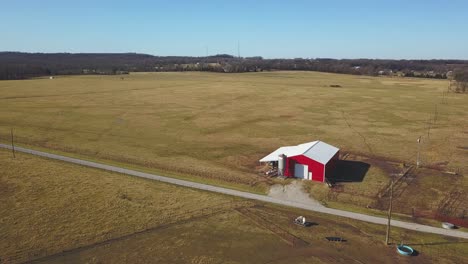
(305, 206)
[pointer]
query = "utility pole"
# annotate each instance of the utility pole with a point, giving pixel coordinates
(419, 150)
(387, 237)
(429, 125)
(12, 144)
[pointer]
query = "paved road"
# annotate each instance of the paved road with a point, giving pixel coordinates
(263, 198)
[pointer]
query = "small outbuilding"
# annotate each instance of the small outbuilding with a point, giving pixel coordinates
(312, 161)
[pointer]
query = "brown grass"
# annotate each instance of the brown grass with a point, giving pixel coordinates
(50, 206)
(53, 206)
(217, 126)
(213, 128)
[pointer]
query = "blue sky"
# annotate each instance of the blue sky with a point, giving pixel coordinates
(397, 29)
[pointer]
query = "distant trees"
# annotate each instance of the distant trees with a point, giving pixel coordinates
(16, 65)
(461, 78)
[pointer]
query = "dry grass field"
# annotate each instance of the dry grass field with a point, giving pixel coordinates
(213, 128)
(54, 206)
(93, 216)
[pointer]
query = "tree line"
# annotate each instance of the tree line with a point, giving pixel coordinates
(19, 65)
(461, 79)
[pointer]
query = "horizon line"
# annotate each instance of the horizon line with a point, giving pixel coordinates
(221, 54)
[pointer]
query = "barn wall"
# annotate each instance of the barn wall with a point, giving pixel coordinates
(331, 164)
(289, 167)
(315, 167)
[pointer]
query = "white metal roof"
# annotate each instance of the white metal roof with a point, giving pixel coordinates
(316, 150)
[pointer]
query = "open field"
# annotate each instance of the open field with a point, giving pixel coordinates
(214, 127)
(99, 217)
(51, 205)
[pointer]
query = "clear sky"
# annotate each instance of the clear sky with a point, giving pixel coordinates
(398, 29)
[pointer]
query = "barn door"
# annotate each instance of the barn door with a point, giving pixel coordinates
(301, 171)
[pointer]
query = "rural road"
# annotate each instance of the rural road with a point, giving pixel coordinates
(263, 198)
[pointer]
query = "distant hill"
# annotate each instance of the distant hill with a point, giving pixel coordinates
(19, 65)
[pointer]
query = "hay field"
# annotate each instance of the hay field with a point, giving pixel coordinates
(214, 127)
(50, 206)
(53, 206)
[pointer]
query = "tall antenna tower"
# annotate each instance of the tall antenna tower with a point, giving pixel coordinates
(238, 49)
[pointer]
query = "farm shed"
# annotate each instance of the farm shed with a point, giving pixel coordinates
(312, 161)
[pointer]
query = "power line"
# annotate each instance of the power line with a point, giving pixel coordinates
(387, 237)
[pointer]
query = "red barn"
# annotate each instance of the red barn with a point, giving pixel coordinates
(312, 161)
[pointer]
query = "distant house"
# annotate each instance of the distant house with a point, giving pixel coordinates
(312, 161)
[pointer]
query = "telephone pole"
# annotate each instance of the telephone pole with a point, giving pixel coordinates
(12, 144)
(387, 237)
(419, 150)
